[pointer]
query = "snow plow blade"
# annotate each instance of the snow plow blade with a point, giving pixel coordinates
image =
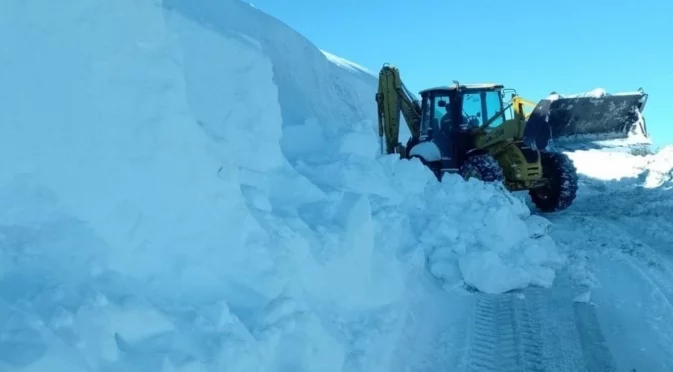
(594, 116)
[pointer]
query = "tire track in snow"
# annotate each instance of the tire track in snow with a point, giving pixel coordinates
(651, 262)
(597, 356)
(634, 297)
(639, 252)
(542, 332)
(537, 330)
(504, 336)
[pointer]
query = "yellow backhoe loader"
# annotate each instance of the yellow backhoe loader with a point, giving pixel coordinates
(473, 131)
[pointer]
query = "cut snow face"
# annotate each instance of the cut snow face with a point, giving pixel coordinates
(169, 207)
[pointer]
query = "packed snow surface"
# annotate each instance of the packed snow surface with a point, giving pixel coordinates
(166, 207)
(618, 238)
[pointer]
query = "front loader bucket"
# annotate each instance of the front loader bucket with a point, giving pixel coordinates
(594, 117)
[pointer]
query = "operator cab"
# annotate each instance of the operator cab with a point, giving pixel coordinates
(449, 114)
(460, 108)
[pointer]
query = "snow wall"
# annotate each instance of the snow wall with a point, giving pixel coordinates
(190, 185)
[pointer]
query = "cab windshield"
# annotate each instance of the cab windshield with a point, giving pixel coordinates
(480, 106)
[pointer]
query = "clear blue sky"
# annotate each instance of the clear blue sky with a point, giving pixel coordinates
(534, 46)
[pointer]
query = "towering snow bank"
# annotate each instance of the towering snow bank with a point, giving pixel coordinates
(193, 186)
(316, 97)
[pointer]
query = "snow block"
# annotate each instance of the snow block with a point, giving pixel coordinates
(486, 272)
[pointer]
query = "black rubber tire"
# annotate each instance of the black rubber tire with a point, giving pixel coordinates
(561, 190)
(484, 166)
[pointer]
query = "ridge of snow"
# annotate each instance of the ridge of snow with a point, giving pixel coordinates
(346, 64)
(182, 210)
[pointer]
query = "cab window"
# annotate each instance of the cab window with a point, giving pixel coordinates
(493, 106)
(441, 106)
(426, 107)
(439, 110)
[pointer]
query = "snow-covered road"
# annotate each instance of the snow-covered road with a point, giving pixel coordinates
(611, 309)
(633, 294)
(620, 234)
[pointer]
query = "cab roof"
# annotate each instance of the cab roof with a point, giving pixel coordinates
(466, 87)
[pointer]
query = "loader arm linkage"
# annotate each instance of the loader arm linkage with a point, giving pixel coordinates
(518, 103)
(392, 98)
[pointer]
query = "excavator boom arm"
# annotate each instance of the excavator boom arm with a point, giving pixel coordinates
(392, 99)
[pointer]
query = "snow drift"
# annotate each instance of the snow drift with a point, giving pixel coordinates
(194, 186)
